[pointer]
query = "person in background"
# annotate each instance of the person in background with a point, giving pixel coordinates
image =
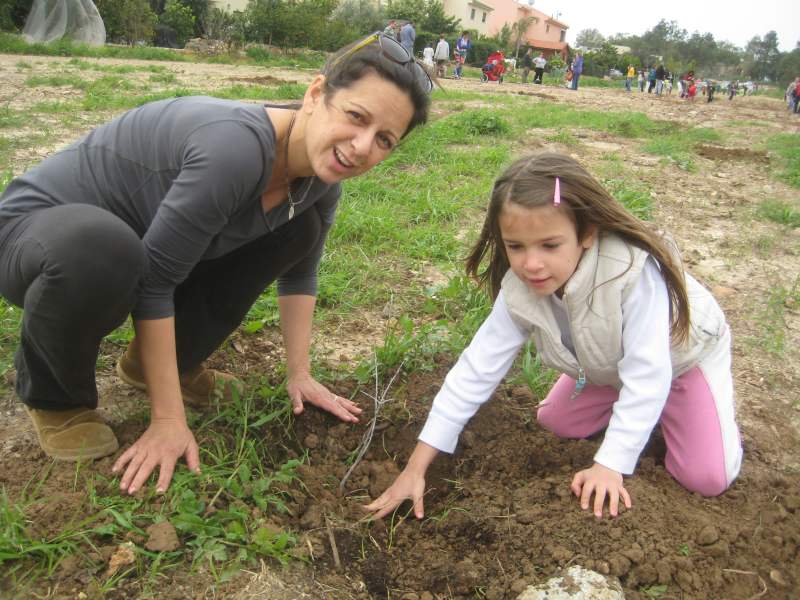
(427, 56)
(577, 69)
(442, 56)
(463, 46)
(391, 29)
(605, 299)
(539, 63)
(180, 213)
(527, 65)
(629, 77)
(407, 37)
(641, 80)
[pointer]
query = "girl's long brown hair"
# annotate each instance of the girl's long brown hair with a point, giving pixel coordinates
(530, 182)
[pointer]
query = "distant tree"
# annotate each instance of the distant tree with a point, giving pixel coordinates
(407, 10)
(178, 17)
(518, 31)
(763, 57)
(598, 62)
(129, 21)
(503, 38)
(589, 38)
(788, 66)
(13, 14)
(361, 16)
(437, 21)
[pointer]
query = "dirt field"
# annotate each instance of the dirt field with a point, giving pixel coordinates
(500, 513)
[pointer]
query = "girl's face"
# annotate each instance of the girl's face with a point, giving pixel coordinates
(354, 129)
(541, 245)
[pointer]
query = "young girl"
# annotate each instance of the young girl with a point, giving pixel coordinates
(607, 304)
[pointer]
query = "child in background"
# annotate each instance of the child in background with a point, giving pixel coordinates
(691, 92)
(607, 303)
(427, 57)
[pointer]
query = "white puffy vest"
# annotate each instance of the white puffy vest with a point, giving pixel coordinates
(593, 297)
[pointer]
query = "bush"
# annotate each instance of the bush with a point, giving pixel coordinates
(13, 14)
(180, 19)
(129, 21)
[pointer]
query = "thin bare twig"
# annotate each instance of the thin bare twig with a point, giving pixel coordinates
(379, 400)
(760, 580)
(334, 549)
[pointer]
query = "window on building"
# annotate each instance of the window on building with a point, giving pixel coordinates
(472, 15)
(483, 20)
(563, 35)
(547, 30)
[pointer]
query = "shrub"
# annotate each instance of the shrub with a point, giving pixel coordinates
(180, 19)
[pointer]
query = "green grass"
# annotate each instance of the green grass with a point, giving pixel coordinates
(778, 211)
(223, 515)
(786, 146)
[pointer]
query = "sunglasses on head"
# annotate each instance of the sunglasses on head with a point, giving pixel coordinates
(391, 49)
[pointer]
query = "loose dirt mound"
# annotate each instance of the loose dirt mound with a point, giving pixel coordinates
(501, 515)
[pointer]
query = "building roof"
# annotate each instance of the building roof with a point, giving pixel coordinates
(480, 5)
(547, 44)
(557, 22)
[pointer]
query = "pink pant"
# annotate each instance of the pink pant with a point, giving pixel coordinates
(703, 447)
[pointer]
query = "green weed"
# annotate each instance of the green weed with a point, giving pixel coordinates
(654, 591)
(772, 319)
(781, 212)
(787, 148)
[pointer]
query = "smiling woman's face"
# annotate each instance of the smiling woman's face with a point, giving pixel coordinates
(354, 129)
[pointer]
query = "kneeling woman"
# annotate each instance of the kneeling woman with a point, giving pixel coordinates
(180, 213)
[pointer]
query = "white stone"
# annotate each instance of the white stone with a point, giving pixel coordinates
(576, 584)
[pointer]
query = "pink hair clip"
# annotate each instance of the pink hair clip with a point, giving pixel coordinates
(557, 193)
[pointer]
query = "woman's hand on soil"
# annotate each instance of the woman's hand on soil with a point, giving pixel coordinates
(408, 486)
(161, 445)
(601, 481)
(306, 388)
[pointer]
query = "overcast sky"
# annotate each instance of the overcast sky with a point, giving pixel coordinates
(735, 22)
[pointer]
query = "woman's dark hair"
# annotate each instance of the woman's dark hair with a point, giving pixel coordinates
(530, 183)
(344, 68)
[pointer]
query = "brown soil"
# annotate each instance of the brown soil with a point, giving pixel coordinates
(499, 513)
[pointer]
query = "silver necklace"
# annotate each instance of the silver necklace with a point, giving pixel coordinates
(292, 203)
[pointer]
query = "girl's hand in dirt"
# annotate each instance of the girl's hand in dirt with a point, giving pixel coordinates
(600, 480)
(161, 445)
(409, 485)
(304, 387)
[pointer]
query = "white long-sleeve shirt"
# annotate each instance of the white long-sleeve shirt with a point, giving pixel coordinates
(645, 371)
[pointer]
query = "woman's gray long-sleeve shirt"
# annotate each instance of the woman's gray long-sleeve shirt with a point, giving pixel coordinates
(187, 176)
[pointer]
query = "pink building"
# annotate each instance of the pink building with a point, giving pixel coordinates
(545, 34)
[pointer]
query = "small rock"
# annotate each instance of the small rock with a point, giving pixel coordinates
(311, 441)
(708, 535)
(410, 596)
(124, 555)
(576, 583)
(162, 537)
(426, 596)
(777, 577)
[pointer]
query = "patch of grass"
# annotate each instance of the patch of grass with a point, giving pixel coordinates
(11, 118)
(285, 91)
(563, 137)
(24, 65)
(787, 147)
(84, 65)
(222, 516)
(307, 59)
(163, 78)
(779, 211)
(771, 316)
(15, 44)
(61, 80)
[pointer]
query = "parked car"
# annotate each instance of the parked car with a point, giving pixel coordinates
(614, 73)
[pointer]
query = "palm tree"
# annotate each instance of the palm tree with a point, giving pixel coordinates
(518, 30)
